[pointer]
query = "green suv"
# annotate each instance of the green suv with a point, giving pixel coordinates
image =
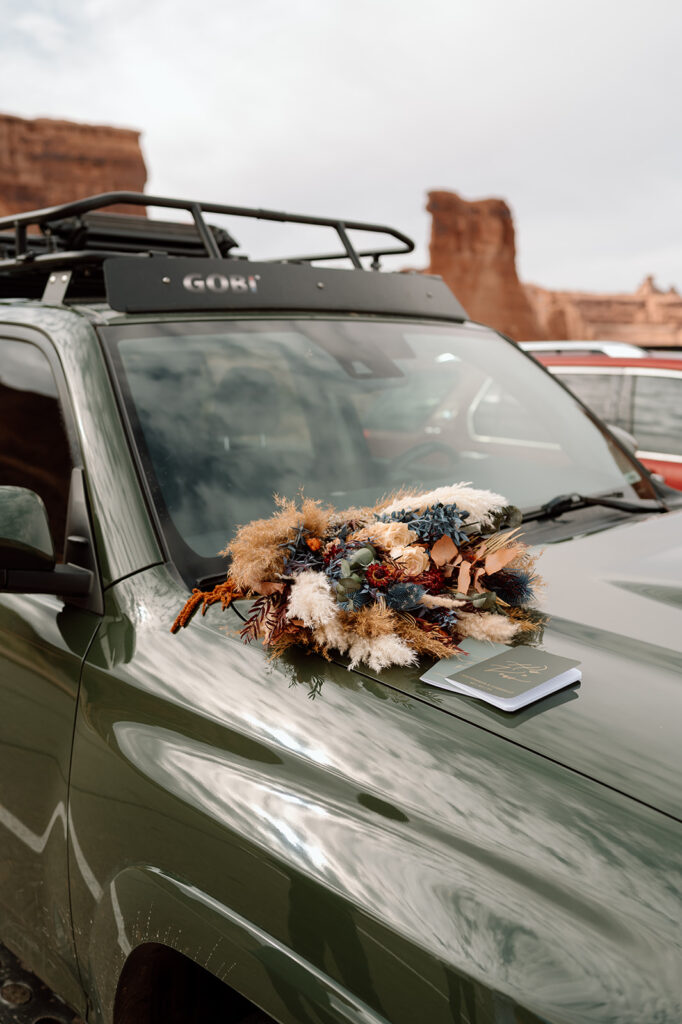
(185, 835)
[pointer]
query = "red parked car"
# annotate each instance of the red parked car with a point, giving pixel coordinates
(636, 389)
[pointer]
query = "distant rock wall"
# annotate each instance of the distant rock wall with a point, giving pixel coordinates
(647, 317)
(473, 249)
(45, 162)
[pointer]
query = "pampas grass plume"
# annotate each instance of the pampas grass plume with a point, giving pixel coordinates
(440, 601)
(311, 600)
(370, 639)
(487, 626)
(256, 550)
(380, 653)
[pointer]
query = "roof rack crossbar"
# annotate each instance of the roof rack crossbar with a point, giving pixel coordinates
(203, 232)
(19, 238)
(345, 241)
(43, 218)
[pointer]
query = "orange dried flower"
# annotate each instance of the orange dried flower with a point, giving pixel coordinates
(314, 543)
(225, 592)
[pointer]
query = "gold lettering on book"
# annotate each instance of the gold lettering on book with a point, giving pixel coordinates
(518, 671)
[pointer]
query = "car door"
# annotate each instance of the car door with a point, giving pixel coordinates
(42, 644)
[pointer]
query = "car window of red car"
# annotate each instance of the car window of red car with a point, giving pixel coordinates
(657, 414)
(599, 391)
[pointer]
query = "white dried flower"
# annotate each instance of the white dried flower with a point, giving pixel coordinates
(311, 599)
(332, 634)
(487, 626)
(380, 652)
(376, 652)
(390, 536)
(412, 560)
(440, 601)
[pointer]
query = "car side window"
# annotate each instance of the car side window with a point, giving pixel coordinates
(599, 391)
(657, 414)
(34, 449)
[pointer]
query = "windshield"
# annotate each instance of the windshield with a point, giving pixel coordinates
(226, 414)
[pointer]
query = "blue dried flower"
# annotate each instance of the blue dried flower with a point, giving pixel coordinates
(433, 522)
(301, 560)
(446, 618)
(403, 597)
(355, 600)
(514, 586)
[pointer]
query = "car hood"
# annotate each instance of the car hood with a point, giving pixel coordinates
(615, 604)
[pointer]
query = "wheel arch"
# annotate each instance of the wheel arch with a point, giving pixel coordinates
(158, 985)
(152, 922)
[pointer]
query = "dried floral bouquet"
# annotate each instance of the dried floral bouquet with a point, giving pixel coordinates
(412, 575)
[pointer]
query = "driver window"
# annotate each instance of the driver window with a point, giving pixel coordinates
(34, 450)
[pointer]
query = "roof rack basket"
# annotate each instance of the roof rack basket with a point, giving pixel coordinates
(75, 240)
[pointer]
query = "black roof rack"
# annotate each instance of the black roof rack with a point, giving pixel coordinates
(72, 236)
(140, 265)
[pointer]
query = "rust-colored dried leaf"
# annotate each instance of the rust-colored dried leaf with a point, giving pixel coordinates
(266, 588)
(503, 556)
(444, 550)
(464, 578)
(478, 586)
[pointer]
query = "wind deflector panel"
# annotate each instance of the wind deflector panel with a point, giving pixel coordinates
(164, 285)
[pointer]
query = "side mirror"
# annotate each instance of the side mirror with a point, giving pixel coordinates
(27, 564)
(25, 540)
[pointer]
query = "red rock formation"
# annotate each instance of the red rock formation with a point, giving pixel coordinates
(473, 249)
(45, 162)
(648, 317)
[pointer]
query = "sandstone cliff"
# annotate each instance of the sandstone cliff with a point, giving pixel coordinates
(473, 249)
(45, 162)
(648, 316)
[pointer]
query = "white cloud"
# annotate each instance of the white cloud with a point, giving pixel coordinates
(43, 30)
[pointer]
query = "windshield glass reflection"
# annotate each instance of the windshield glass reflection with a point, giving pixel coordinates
(226, 414)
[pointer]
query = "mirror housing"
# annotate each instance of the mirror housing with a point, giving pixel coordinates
(27, 563)
(25, 539)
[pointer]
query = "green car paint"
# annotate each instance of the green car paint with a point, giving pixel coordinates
(380, 852)
(433, 857)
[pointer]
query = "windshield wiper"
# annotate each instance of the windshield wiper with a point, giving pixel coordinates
(570, 502)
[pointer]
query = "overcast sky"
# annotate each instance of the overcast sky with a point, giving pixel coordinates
(568, 110)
